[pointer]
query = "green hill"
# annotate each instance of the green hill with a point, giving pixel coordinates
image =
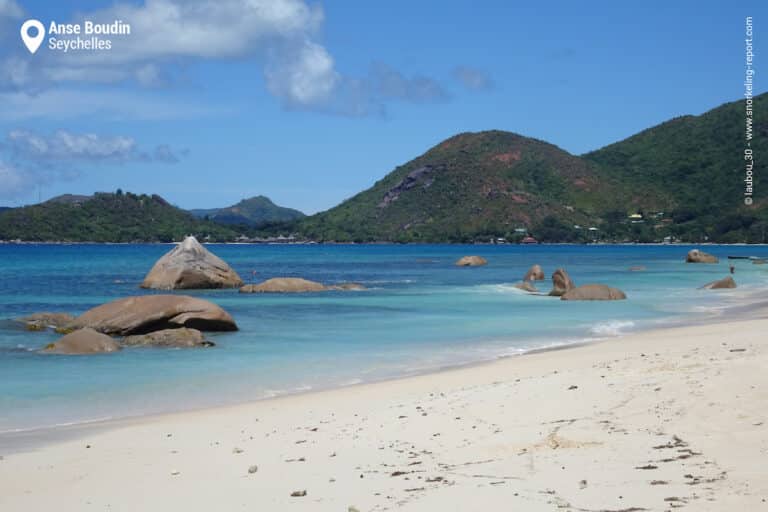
(693, 167)
(106, 217)
(473, 185)
(255, 211)
(684, 177)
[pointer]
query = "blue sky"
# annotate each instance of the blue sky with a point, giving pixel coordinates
(208, 102)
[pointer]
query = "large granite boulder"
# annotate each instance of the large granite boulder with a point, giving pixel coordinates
(720, 284)
(148, 313)
(561, 283)
(45, 320)
(190, 265)
(182, 337)
(697, 256)
(535, 273)
(594, 292)
(83, 341)
(284, 285)
(471, 261)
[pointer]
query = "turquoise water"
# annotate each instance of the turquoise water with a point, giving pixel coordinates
(419, 313)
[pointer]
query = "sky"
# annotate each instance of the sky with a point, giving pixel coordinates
(207, 102)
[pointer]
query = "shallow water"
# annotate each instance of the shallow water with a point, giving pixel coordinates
(419, 313)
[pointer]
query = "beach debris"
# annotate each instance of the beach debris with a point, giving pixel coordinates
(737, 350)
(471, 261)
(148, 313)
(82, 341)
(175, 472)
(352, 509)
(253, 469)
(647, 467)
(594, 292)
(535, 273)
(697, 256)
(189, 265)
(237, 450)
(561, 283)
(299, 494)
(573, 386)
(582, 484)
(637, 268)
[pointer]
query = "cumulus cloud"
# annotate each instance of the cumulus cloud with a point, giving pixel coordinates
(33, 159)
(472, 78)
(65, 146)
(281, 36)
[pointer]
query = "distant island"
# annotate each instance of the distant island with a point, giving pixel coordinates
(255, 211)
(679, 181)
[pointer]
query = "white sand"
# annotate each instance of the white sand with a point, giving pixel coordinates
(687, 404)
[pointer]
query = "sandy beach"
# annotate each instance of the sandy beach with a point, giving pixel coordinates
(662, 420)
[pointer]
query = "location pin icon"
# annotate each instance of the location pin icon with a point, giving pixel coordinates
(32, 42)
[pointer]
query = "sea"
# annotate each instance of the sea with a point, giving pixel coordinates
(419, 313)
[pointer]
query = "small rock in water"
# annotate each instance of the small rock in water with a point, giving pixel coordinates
(298, 494)
(253, 469)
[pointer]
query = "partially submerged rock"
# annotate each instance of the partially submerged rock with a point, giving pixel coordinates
(190, 265)
(724, 283)
(83, 341)
(535, 273)
(46, 320)
(284, 285)
(594, 292)
(182, 337)
(148, 313)
(471, 261)
(526, 286)
(697, 256)
(346, 287)
(561, 283)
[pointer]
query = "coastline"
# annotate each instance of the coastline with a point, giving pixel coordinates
(519, 421)
(750, 303)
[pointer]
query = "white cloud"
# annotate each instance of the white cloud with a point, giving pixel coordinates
(10, 9)
(65, 146)
(107, 105)
(282, 36)
(306, 78)
(472, 78)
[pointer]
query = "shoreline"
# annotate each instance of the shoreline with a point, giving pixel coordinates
(39, 436)
(529, 431)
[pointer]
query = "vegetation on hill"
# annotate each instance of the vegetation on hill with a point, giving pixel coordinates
(681, 180)
(684, 179)
(471, 186)
(256, 211)
(107, 217)
(692, 168)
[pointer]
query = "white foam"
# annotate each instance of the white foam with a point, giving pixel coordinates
(611, 328)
